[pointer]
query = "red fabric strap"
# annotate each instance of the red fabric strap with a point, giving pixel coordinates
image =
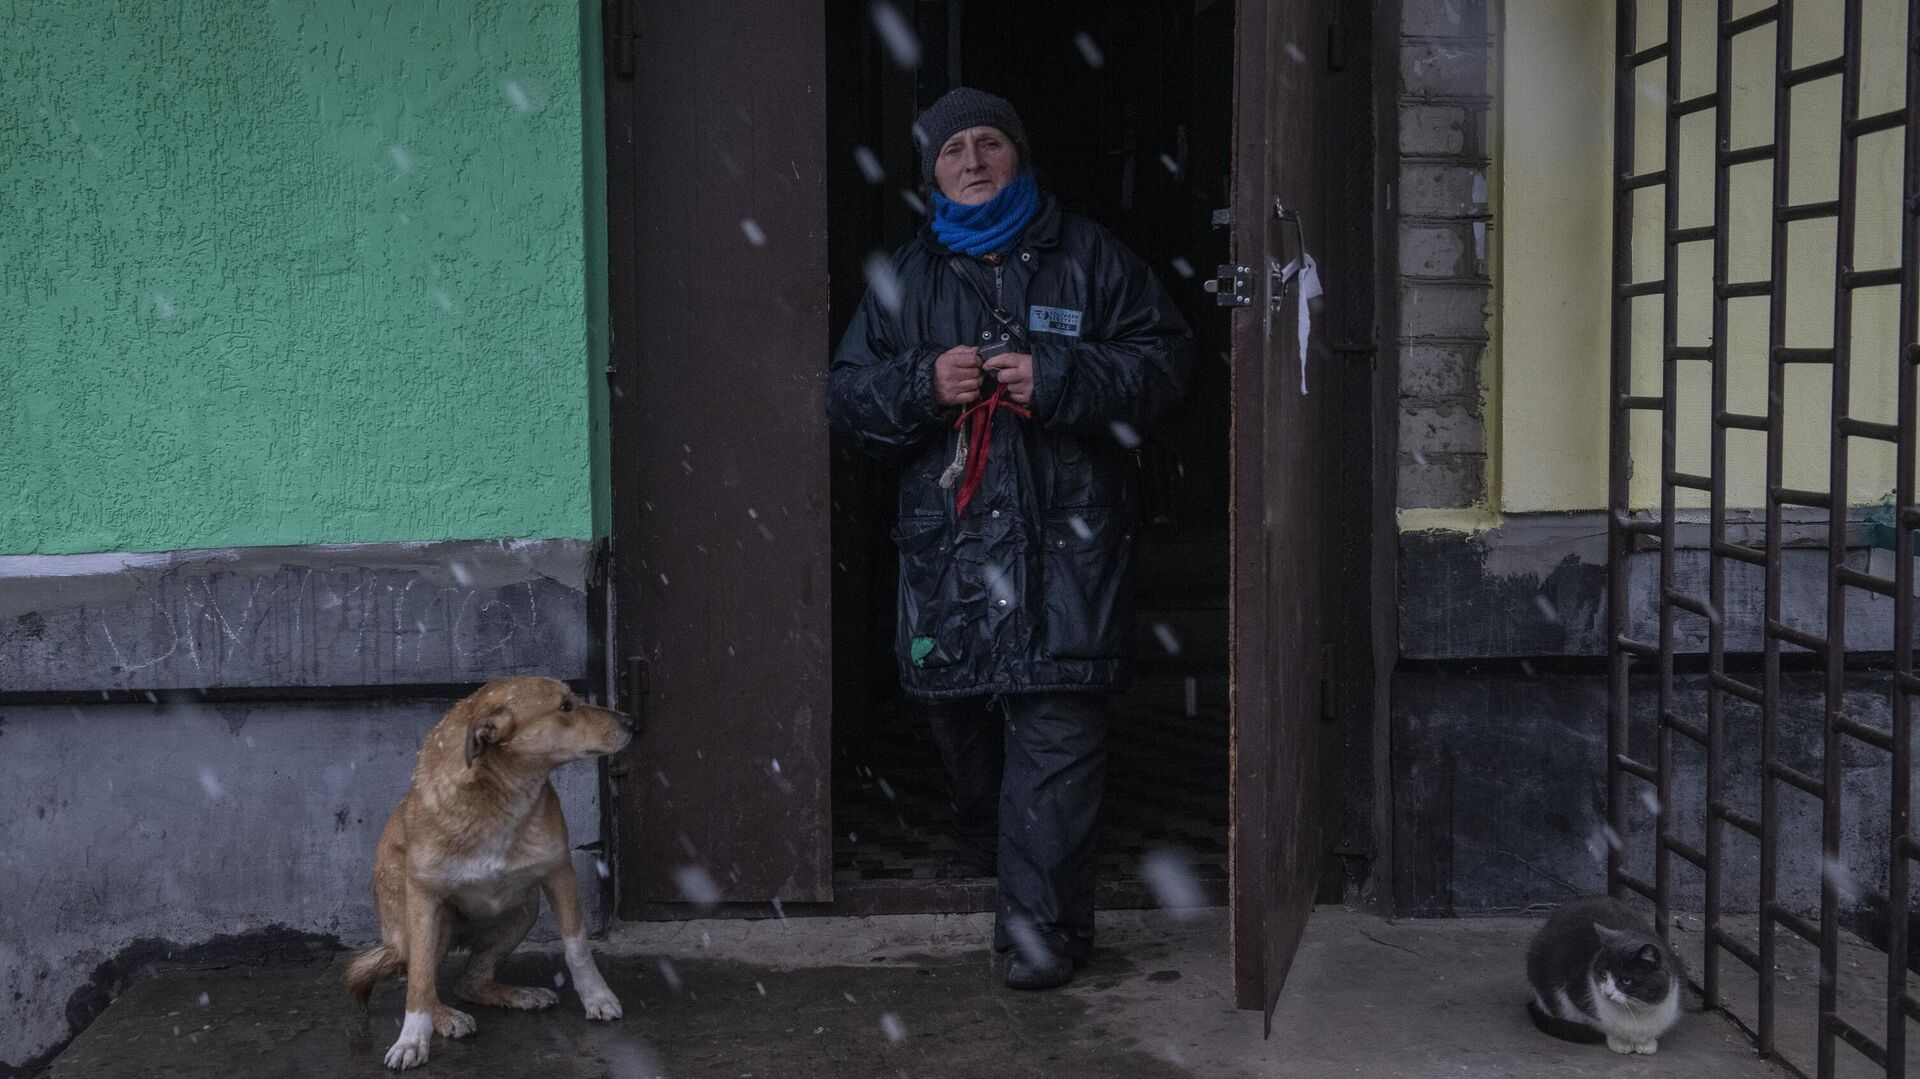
(978, 420)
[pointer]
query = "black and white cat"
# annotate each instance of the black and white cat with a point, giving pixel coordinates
(1599, 973)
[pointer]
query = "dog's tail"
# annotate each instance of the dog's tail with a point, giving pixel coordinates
(367, 968)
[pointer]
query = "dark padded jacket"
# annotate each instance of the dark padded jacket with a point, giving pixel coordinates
(1030, 591)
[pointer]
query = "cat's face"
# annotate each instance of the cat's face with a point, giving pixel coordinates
(1631, 969)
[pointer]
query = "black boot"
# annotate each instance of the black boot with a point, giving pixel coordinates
(1049, 971)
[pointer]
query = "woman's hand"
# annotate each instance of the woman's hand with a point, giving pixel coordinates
(1015, 371)
(956, 376)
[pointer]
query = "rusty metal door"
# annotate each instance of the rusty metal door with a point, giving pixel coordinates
(1279, 399)
(716, 139)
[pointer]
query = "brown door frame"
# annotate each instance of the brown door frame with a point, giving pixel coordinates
(715, 119)
(1366, 647)
(1307, 641)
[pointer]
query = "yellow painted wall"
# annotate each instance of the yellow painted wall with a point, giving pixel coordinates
(1552, 166)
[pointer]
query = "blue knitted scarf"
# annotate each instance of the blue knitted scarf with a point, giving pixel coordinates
(991, 226)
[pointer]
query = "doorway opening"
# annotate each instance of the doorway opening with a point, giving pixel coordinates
(1131, 124)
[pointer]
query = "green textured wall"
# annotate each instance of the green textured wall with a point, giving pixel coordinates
(294, 272)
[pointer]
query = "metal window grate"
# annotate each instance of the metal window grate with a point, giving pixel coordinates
(1630, 778)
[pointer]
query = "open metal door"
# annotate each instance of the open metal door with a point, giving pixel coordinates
(717, 207)
(1280, 400)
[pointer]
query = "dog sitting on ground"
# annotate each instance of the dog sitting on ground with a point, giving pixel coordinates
(476, 839)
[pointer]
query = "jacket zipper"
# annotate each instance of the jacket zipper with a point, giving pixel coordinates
(998, 273)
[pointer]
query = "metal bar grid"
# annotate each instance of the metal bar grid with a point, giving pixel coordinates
(1900, 1005)
(1717, 512)
(1839, 730)
(1620, 536)
(1836, 655)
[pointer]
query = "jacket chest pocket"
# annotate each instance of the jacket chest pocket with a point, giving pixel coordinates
(1085, 576)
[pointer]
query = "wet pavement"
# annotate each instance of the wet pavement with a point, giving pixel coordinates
(915, 996)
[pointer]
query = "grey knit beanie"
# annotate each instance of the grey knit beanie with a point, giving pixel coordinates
(958, 110)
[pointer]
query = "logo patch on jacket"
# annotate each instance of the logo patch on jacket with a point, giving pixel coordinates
(1058, 320)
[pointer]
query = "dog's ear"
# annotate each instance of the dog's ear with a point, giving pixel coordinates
(482, 732)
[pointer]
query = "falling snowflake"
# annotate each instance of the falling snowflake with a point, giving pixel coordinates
(884, 282)
(401, 159)
(1027, 939)
(1170, 878)
(1183, 267)
(517, 94)
(670, 975)
(696, 886)
(1164, 633)
(210, 783)
(869, 165)
(162, 306)
(898, 35)
(1125, 434)
(1089, 51)
(1842, 880)
(1547, 608)
(753, 232)
(893, 1028)
(461, 575)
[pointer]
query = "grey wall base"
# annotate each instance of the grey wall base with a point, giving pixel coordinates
(1500, 792)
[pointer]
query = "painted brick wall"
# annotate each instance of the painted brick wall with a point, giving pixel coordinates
(292, 272)
(1444, 218)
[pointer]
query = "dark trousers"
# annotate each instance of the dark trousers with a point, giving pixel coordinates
(1028, 772)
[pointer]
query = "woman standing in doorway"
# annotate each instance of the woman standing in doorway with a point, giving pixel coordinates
(1009, 374)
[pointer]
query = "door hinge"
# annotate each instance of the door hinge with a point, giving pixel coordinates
(636, 682)
(619, 23)
(1232, 286)
(639, 683)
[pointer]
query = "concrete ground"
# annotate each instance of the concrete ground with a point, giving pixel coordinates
(915, 996)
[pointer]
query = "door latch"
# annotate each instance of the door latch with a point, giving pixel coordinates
(1232, 286)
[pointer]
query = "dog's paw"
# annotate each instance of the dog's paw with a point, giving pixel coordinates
(410, 1050)
(495, 995)
(527, 998)
(601, 1005)
(406, 1054)
(453, 1023)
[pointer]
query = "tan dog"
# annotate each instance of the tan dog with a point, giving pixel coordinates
(477, 837)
